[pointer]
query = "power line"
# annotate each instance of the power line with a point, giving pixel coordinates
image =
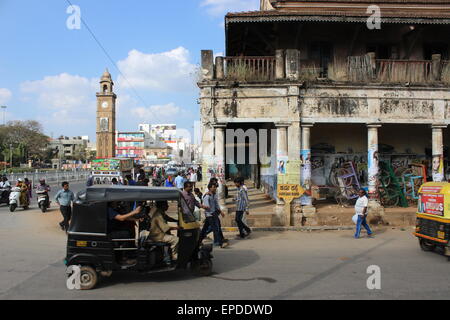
(111, 60)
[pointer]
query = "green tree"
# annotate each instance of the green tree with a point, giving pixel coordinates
(27, 140)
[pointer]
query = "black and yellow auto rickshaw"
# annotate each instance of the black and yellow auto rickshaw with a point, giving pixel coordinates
(433, 217)
(92, 245)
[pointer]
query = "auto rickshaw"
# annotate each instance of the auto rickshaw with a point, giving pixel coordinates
(93, 248)
(433, 217)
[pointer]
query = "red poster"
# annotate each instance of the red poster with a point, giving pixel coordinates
(432, 204)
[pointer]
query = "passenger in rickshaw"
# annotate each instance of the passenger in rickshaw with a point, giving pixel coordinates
(122, 226)
(160, 230)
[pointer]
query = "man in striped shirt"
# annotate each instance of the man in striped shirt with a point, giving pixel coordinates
(242, 207)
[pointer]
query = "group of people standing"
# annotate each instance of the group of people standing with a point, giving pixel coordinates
(209, 202)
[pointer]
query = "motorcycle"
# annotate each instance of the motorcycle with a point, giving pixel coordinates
(42, 199)
(14, 200)
(4, 195)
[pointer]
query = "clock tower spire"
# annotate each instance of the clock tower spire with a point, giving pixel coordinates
(106, 118)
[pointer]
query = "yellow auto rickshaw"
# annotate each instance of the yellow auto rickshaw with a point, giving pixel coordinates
(433, 217)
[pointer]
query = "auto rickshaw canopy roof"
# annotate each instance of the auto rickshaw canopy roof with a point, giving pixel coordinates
(110, 193)
(435, 188)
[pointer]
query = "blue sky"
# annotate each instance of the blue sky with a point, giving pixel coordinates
(50, 73)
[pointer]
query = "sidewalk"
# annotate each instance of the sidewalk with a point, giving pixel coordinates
(329, 216)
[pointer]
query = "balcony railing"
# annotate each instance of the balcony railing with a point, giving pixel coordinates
(445, 74)
(367, 69)
(286, 65)
(250, 68)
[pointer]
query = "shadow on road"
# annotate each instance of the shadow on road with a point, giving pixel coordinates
(225, 260)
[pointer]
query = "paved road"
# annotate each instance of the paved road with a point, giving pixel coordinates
(278, 265)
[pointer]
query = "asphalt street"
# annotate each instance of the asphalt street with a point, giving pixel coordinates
(270, 265)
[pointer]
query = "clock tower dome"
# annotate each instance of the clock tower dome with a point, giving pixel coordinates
(106, 118)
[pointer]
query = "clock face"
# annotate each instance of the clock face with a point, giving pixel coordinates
(105, 105)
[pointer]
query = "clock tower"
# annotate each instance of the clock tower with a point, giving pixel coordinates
(106, 118)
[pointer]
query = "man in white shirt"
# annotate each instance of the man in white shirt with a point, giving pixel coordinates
(361, 211)
(4, 183)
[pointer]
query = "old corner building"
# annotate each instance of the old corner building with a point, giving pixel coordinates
(333, 88)
(106, 118)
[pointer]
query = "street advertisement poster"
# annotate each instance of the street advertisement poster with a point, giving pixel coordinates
(431, 204)
(305, 178)
(438, 168)
(282, 165)
(112, 164)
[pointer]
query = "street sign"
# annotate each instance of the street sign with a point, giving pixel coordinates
(289, 192)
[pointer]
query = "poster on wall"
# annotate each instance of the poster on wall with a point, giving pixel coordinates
(438, 168)
(282, 165)
(305, 178)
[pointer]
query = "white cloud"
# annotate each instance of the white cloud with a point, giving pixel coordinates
(221, 7)
(168, 112)
(62, 92)
(63, 101)
(166, 71)
(5, 95)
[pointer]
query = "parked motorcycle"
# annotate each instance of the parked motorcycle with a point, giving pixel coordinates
(4, 195)
(14, 200)
(43, 200)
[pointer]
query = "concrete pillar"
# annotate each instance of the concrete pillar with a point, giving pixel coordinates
(373, 158)
(436, 67)
(305, 158)
(207, 65)
(207, 153)
(279, 65)
(438, 153)
(219, 157)
(281, 217)
(292, 64)
(220, 73)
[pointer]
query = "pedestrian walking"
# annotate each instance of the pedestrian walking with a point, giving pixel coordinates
(179, 181)
(242, 208)
(193, 177)
(212, 222)
(191, 202)
(64, 199)
(361, 211)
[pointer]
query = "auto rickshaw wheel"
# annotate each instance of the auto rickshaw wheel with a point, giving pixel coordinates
(426, 246)
(88, 277)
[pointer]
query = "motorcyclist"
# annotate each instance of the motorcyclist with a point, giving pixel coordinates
(5, 187)
(23, 192)
(44, 187)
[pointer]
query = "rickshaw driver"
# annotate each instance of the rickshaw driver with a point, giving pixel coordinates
(160, 230)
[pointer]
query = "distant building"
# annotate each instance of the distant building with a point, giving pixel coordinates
(130, 145)
(65, 147)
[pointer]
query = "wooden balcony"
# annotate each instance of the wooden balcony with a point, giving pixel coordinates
(287, 66)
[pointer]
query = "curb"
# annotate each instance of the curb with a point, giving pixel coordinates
(278, 229)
